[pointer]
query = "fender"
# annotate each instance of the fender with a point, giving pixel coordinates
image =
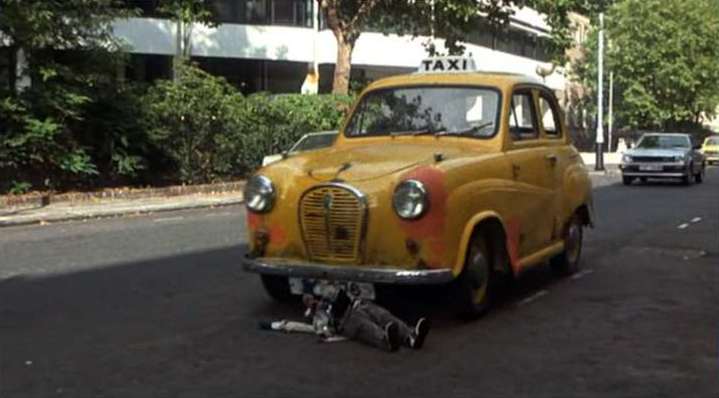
(467, 235)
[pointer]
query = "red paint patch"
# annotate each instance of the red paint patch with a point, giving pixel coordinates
(278, 236)
(430, 228)
(254, 220)
(513, 230)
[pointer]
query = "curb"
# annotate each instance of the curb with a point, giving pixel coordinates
(44, 199)
(116, 212)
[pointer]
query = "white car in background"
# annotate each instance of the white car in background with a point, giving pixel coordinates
(307, 142)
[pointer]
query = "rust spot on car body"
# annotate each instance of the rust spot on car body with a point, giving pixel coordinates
(429, 229)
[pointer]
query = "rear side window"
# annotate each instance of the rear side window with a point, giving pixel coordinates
(549, 115)
(522, 117)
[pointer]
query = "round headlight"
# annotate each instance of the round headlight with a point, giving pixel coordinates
(410, 199)
(259, 194)
(627, 159)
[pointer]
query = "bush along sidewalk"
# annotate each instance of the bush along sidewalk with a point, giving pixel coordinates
(195, 129)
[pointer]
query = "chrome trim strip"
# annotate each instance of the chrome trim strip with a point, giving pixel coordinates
(300, 269)
(652, 174)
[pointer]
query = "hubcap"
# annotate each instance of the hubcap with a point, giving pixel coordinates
(574, 242)
(480, 277)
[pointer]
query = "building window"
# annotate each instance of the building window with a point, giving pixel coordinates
(148, 8)
(265, 12)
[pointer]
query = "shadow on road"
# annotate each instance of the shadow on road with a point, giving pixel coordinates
(189, 323)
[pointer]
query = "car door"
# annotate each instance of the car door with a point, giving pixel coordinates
(531, 173)
(558, 154)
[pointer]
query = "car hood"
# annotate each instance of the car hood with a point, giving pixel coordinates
(656, 152)
(366, 162)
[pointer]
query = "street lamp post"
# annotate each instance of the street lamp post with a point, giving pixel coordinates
(610, 122)
(599, 163)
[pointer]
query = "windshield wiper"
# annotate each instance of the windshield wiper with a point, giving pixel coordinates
(463, 132)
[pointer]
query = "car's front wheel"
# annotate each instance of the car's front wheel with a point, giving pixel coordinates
(474, 287)
(627, 180)
(688, 177)
(699, 177)
(278, 287)
(567, 262)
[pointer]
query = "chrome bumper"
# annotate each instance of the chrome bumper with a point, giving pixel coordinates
(299, 269)
(652, 174)
(668, 170)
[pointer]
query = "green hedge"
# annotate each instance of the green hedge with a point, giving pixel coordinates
(194, 129)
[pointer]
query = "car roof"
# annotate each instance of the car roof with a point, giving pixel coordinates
(492, 79)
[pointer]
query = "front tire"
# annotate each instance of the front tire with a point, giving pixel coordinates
(567, 262)
(277, 287)
(474, 288)
(627, 180)
(699, 177)
(688, 178)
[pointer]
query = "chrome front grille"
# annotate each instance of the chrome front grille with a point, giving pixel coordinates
(332, 218)
(652, 159)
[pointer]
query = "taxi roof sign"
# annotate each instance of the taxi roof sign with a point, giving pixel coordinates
(451, 64)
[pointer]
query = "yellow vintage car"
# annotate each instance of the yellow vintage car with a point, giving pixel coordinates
(710, 149)
(438, 177)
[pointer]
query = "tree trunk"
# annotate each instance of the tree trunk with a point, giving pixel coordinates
(341, 82)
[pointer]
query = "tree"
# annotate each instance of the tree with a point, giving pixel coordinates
(664, 57)
(186, 13)
(450, 20)
(346, 19)
(71, 56)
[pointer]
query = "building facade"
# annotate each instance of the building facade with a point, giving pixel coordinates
(269, 45)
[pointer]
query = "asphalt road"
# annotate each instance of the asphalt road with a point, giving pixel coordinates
(157, 306)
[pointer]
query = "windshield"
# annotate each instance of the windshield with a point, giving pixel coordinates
(315, 141)
(471, 112)
(712, 141)
(664, 142)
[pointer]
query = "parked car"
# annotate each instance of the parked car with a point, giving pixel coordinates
(710, 149)
(452, 177)
(663, 155)
(307, 142)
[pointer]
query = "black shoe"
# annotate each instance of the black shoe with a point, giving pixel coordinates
(391, 336)
(420, 333)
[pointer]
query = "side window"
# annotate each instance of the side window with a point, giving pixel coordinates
(549, 115)
(522, 117)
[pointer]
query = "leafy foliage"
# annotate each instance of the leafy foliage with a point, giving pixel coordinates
(663, 54)
(271, 124)
(186, 119)
(47, 128)
(213, 132)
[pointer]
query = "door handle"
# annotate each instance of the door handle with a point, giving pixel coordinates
(515, 171)
(551, 158)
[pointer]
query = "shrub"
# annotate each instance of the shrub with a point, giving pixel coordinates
(212, 132)
(189, 118)
(272, 124)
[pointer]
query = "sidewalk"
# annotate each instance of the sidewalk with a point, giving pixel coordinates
(96, 208)
(611, 162)
(79, 206)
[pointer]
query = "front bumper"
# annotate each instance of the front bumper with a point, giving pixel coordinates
(668, 170)
(299, 269)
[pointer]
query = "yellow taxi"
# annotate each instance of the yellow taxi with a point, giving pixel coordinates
(710, 149)
(444, 176)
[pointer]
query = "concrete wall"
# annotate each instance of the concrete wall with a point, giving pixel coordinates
(156, 36)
